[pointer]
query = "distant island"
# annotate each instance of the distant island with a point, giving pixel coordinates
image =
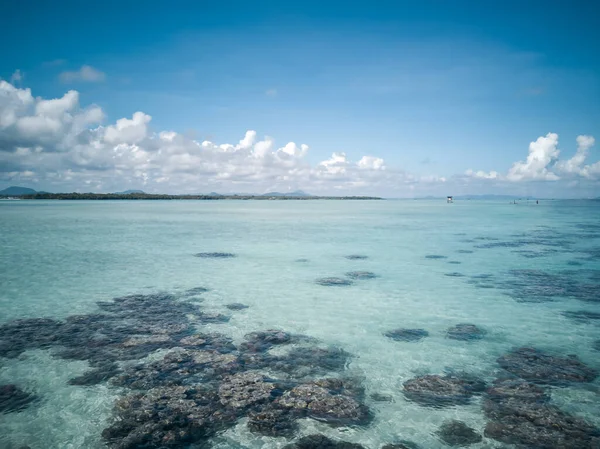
(30, 194)
(17, 191)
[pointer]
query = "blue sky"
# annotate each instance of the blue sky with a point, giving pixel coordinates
(433, 90)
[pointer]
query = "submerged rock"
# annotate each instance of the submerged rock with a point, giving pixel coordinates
(407, 334)
(519, 414)
(380, 397)
(435, 256)
(465, 332)
(322, 404)
(236, 306)
(454, 274)
(96, 376)
(179, 367)
(170, 417)
(305, 361)
(442, 391)
(457, 434)
(245, 389)
(13, 399)
(356, 257)
(582, 315)
(537, 366)
(531, 285)
(195, 291)
(273, 423)
(263, 340)
(465, 251)
(318, 441)
(333, 282)
(215, 255)
(32, 333)
(360, 275)
(517, 389)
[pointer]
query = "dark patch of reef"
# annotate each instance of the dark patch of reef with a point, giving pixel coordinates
(457, 434)
(202, 383)
(215, 255)
(520, 413)
(407, 334)
(334, 282)
(14, 399)
(197, 384)
(540, 367)
(443, 391)
(465, 332)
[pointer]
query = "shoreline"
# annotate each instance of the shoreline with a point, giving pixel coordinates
(146, 196)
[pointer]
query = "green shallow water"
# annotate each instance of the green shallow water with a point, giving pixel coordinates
(60, 258)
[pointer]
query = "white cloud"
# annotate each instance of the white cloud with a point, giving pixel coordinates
(271, 93)
(542, 163)
(575, 165)
(16, 77)
(542, 153)
(336, 164)
(85, 74)
(482, 175)
(63, 144)
(55, 123)
(128, 130)
(63, 147)
(370, 162)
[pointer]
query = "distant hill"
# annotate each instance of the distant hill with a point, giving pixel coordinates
(295, 193)
(129, 192)
(493, 197)
(17, 191)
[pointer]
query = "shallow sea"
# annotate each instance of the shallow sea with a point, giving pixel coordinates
(60, 258)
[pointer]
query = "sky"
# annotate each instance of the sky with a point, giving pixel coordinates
(398, 99)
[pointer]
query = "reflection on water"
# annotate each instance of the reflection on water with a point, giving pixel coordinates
(328, 324)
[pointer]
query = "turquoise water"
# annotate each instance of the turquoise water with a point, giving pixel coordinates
(61, 258)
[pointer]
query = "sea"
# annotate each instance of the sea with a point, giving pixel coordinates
(341, 274)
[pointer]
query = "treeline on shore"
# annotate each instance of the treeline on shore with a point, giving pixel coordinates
(149, 196)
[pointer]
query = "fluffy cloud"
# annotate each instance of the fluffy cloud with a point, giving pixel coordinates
(58, 142)
(371, 163)
(59, 145)
(128, 131)
(480, 174)
(542, 153)
(543, 163)
(335, 165)
(86, 74)
(575, 165)
(54, 124)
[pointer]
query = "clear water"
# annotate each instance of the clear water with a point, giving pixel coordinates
(59, 258)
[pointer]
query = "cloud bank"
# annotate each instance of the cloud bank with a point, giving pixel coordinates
(59, 145)
(59, 142)
(543, 163)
